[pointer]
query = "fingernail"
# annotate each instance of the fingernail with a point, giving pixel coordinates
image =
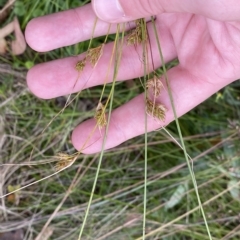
(108, 10)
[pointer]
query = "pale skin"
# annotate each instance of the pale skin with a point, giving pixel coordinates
(203, 35)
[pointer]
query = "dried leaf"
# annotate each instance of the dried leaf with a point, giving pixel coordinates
(18, 46)
(7, 29)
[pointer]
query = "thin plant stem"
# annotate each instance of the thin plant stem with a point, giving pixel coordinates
(93, 30)
(145, 64)
(179, 130)
(117, 60)
(109, 67)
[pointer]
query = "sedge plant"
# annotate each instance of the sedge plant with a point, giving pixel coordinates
(152, 87)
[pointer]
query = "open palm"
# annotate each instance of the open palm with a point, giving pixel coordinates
(208, 51)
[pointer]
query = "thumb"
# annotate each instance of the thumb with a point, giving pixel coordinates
(123, 11)
(116, 11)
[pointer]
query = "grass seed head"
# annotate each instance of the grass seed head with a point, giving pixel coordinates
(132, 38)
(64, 160)
(136, 36)
(80, 65)
(94, 54)
(100, 116)
(155, 110)
(155, 85)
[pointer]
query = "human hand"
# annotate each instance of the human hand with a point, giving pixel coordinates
(203, 35)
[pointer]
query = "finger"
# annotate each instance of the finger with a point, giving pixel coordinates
(122, 11)
(128, 121)
(59, 77)
(64, 29)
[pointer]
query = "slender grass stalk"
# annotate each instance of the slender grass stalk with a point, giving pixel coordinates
(117, 61)
(109, 67)
(179, 130)
(92, 36)
(145, 64)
